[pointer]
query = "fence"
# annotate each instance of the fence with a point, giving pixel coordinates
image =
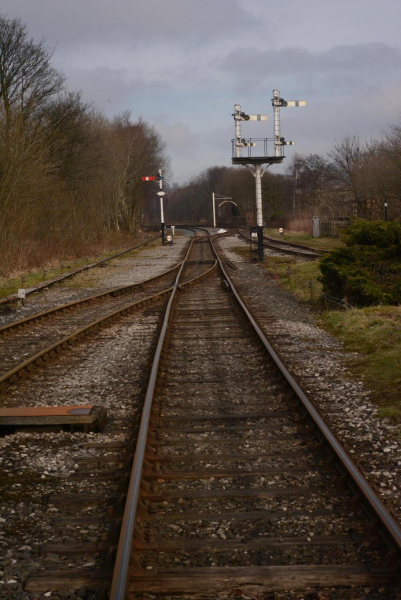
(328, 227)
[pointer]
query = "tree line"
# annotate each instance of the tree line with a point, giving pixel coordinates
(355, 179)
(70, 178)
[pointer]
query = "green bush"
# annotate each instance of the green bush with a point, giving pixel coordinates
(368, 269)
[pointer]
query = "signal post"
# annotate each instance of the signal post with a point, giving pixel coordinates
(160, 193)
(256, 159)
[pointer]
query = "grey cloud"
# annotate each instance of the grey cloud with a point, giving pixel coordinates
(78, 21)
(112, 89)
(182, 64)
(182, 142)
(371, 57)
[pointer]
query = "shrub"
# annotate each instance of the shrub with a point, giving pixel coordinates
(368, 269)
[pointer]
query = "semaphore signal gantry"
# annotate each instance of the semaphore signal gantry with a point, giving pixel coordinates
(255, 158)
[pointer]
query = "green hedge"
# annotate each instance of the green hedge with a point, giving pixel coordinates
(368, 269)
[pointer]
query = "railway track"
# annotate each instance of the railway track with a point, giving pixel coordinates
(297, 246)
(93, 476)
(286, 247)
(223, 479)
(237, 484)
(29, 341)
(59, 279)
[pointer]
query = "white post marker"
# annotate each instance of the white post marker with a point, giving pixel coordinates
(237, 122)
(21, 297)
(161, 194)
(159, 178)
(172, 229)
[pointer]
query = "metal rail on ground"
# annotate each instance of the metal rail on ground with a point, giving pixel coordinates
(37, 359)
(283, 247)
(112, 292)
(385, 521)
(50, 282)
(122, 564)
(377, 507)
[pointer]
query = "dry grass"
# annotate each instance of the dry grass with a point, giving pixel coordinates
(374, 333)
(60, 264)
(298, 277)
(305, 239)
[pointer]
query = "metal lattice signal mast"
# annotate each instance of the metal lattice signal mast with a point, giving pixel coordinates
(278, 103)
(238, 117)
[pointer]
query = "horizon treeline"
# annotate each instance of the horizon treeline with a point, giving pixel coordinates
(70, 178)
(354, 180)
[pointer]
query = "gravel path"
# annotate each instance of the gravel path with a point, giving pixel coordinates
(321, 365)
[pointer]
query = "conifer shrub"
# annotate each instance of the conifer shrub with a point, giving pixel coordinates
(367, 270)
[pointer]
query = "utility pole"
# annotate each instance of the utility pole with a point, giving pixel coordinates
(257, 161)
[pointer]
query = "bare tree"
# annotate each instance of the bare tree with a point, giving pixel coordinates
(27, 78)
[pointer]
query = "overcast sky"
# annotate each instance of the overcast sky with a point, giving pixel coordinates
(183, 64)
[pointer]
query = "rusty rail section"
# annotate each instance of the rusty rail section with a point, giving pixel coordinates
(295, 245)
(112, 292)
(363, 493)
(132, 505)
(51, 282)
(23, 369)
(381, 518)
(308, 254)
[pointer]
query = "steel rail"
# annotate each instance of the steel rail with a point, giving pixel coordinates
(284, 250)
(294, 245)
(28, 365)
(122, 563)
(291, 244)
(112, 292)
(51, 282)
(239, 230)
(391, 527)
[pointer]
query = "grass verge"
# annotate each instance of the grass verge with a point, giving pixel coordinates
(375, 333)
(10, 285)
(295, 276)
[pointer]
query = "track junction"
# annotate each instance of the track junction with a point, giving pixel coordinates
(228, 478)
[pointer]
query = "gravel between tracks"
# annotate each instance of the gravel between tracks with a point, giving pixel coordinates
(321, 365)
(146, 262)
(108, 372)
